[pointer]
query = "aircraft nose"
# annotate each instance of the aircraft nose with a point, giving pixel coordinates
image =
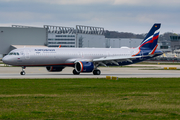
(6, 60)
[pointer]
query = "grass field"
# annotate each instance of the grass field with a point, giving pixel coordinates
(126, 98)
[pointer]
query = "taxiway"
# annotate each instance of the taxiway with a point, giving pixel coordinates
(138, 71)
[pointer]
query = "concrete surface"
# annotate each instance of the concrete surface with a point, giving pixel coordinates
(138, 71)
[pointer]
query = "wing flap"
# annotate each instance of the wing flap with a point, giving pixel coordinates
(117, 58)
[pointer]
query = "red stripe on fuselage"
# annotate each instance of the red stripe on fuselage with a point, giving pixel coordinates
(66, 64)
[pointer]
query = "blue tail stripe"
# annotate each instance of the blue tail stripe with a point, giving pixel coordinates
(151, 39)
(149, 44)
(156, 34)
(154, 28)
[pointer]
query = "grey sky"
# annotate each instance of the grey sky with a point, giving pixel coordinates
(135, 16)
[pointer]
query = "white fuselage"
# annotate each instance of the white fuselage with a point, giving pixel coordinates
(63, 56)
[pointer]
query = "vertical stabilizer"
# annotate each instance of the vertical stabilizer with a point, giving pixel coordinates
(150, 41)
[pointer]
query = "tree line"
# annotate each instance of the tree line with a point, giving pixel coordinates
(115, 34)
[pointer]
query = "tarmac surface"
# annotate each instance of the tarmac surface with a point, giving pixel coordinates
(137, 71)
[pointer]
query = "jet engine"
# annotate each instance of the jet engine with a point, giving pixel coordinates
(82, 66)
(54, 68)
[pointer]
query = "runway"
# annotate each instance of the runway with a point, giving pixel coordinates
(138, 71)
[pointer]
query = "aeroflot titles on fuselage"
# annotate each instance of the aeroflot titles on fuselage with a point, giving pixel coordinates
(44, 49)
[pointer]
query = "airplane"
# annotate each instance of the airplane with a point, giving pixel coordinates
(85, 60)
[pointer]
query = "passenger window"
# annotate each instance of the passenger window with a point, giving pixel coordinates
(14, 53)
(17, 53)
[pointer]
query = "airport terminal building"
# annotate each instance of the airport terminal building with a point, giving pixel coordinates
(175, 42)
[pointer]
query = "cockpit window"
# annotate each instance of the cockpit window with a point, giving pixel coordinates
(13, 53)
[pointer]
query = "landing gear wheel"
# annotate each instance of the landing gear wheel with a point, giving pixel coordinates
(97, 72)
(75, 72)
(22, 72)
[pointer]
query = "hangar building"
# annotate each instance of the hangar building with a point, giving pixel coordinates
(64, 36)
(88, 36)
(121, 42)
(82, 36)
(53, 36)
(21, 36)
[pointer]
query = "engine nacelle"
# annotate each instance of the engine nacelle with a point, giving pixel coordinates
(82, 66)
(54, 68)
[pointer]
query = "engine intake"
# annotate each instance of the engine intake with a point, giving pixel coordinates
(54, 68)
(82, 66)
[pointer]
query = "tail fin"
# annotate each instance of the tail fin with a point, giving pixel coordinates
(150, 41)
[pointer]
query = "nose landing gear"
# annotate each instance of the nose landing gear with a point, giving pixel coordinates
(23, 70)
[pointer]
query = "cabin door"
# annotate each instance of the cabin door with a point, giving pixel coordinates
(27, 54)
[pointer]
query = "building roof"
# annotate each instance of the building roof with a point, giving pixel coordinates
(28, 46)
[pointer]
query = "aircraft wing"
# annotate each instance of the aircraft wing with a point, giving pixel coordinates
(115, 59)
(78, 59)
(105, 60)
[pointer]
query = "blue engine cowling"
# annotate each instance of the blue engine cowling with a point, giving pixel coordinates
(82, 66)
(54, 68)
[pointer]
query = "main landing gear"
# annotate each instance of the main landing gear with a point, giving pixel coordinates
(96, 72)
(23, 70)
(75, 72)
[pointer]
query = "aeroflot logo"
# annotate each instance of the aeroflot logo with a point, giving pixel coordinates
(44, 49)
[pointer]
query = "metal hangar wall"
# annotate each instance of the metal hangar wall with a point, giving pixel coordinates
(21, 35)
